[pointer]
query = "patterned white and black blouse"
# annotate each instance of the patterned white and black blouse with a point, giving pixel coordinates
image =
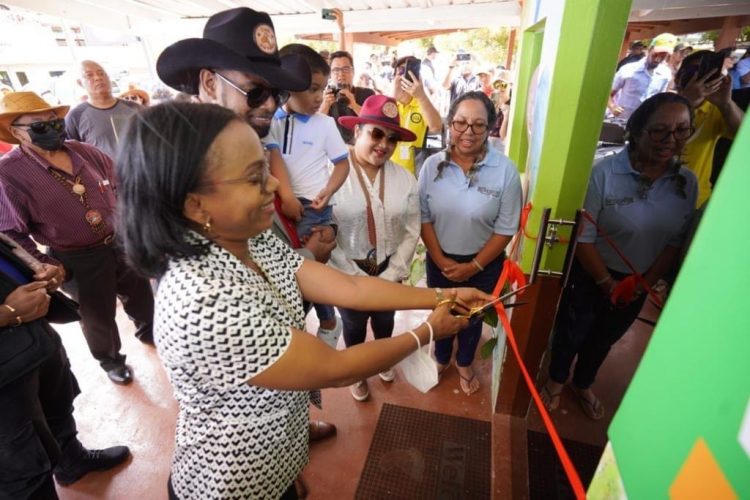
(217, 325)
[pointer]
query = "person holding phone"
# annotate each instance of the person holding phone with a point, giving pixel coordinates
(416, 111)
(701, 82)
(465, 81)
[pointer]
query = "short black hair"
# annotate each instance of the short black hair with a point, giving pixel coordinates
(342, 53)
(681, 77)
(163, 156)
(313, 59)
(403, 60)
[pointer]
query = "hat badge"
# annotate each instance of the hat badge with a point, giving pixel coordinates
(390, 110)
(265, 38)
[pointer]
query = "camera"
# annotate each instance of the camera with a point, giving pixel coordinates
(336, 89)
(328, 14)
(463, 57)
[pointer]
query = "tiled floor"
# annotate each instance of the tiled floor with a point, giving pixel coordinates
(142, 416)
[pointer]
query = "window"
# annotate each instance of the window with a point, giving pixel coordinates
(22, 78)
(55, 74)
(5, 78)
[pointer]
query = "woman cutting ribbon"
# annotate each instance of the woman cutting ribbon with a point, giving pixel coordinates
(377, 212)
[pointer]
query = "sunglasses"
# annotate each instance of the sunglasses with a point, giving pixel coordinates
(256, 96)
(500, 85)
(58, 125)
(133, 98)
(462, 126)
(378, 135)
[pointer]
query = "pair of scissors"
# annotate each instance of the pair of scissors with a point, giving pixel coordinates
(475, 312)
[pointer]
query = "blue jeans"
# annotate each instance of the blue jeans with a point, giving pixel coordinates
(355, 325)
(587, 326)
(312, 217)
(468, 338)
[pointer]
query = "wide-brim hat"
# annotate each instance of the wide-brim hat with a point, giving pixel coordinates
(239, 39)
(15, 104)
(382, 111)
(137, 92)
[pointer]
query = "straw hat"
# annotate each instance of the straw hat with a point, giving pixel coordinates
(133, 90)
(15, 104)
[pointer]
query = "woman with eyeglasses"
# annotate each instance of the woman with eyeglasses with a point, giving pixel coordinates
(197, 205)
(470, 197)
(377, 212)
(642, 200)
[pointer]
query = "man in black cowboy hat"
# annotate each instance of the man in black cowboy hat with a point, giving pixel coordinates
(237, 65)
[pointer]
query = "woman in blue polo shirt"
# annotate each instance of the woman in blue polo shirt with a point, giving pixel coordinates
(470, 196)
(643, 199)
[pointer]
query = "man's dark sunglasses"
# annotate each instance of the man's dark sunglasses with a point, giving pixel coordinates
(256, 96)
(58, 124)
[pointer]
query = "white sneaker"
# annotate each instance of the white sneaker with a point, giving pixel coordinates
(387, 376)
(331, 337)
(359, 391)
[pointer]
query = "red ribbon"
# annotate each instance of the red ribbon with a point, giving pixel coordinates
(513, 275)
(628, 284)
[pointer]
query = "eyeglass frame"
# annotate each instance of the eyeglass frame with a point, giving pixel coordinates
(59, 122)
(344, 70)
(265, 174)
(500, 85)
(667, 133)
(279, 96)
(470, 126)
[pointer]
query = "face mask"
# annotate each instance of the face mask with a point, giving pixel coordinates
(419, 369)
(49, 135)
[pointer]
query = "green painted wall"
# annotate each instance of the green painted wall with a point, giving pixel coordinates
(580, 81)
(694, 379)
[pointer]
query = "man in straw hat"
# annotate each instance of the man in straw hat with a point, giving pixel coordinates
(237, 65)
(62, 193)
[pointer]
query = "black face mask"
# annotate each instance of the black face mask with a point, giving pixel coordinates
(49, 135)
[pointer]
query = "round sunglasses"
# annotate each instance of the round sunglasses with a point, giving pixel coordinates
(377, 135)
(256, 96)
(58, 124)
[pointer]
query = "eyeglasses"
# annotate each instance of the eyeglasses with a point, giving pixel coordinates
(254, 177)
(500, 85)
(461, 126)
(661, 134)
(133, 98)
(256, 96)
(378, 135)
(344, 70)
(58, 125)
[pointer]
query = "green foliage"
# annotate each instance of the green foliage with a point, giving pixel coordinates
(745, 34)
(485, 352)
(417, 268)
(710, 36)
(490, 317)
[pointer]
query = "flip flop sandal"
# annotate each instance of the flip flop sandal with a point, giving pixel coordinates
(549, 396)
(468, 384)
(593, 409)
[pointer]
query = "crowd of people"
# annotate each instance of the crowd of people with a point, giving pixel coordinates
(279, 186)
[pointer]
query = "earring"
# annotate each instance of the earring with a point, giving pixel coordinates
(207, 225)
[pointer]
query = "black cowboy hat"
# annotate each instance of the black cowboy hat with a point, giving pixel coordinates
(239, 39)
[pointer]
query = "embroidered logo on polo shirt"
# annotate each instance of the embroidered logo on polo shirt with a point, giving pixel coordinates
(416, 118)
(265, 38)
(494, 193)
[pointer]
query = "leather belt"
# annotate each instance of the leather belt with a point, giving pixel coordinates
(107, 240)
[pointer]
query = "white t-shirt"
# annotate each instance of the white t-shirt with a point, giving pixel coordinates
(307, 143)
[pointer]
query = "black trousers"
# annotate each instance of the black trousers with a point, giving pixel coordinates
(98, 276)
(587, 326)
(37, 428)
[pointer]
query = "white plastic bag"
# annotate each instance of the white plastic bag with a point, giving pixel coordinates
(419, 369)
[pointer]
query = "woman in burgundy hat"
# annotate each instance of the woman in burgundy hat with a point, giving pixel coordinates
(377, 212)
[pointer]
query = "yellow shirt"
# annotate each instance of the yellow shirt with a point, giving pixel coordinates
(699, 151)
(411, 119)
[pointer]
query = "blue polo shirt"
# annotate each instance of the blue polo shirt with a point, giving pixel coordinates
(640, 221)
(636, 84)
(465, 217)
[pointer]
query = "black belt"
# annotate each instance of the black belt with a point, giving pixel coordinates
(107, 240)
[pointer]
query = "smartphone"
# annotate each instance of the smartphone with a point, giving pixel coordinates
(328, 14)
(463, 57)
(711, 62)
(413, 65)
